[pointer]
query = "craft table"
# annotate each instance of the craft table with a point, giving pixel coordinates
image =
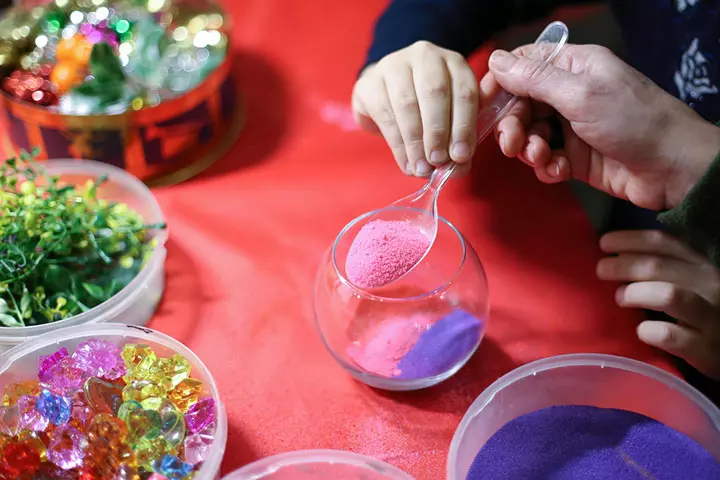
(247, 234)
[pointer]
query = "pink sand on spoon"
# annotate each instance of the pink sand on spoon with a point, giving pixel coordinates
(384, 251)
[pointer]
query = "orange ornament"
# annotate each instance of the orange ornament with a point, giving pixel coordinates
(66, 75)
(75, 49)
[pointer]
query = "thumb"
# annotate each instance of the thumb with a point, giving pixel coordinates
(539, 80)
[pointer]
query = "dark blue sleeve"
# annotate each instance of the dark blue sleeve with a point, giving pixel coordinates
(459, 25)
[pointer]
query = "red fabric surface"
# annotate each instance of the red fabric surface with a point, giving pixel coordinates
(246, 237)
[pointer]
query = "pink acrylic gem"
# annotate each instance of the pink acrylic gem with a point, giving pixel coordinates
(198, 445)
(100, 359)
(30, 417)
(80, 411)
(64, 378)
(67, 447)
(200, 415)
(157, 476)
(9, 420)
(48, 362)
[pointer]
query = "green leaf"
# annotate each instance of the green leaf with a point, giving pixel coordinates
(25, 303)
(10, 321)
(105, 65)
(94, 291)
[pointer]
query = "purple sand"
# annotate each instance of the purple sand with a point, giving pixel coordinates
(450, 340)
(580, 442)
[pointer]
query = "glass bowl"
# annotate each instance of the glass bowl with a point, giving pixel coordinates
(21, 363)
(318, 465)
(410, 334)
(604, 381)
(136, 303)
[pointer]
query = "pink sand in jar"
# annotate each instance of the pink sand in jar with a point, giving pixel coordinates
(384, 251)
(385, 344)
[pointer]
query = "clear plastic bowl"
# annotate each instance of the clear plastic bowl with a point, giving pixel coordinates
(136, 303)
(373, 333)
(604, 381)
(21, 363)
(318, 465)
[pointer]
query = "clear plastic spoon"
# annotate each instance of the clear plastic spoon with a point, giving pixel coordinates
(420, 208)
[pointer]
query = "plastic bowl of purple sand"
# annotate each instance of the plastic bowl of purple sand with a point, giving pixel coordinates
(409, 334)
(617, 386)
(21, 363)
(318, 465)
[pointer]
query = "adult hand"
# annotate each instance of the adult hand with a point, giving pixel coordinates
(423, 99)
(623, 134)
(663, 274)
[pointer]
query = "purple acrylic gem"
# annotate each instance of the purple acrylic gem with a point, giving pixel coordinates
(449, 341)
(200, 415)
(49, 361)
(64, 377)
(197, 446)
(67, 447)
(100, 359)
(30, 416)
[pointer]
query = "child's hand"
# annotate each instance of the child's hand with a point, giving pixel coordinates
(424, 101)
(668, 276)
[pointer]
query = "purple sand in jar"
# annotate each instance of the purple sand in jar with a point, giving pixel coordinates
(441, 347)
(410, 347)
(573, 442)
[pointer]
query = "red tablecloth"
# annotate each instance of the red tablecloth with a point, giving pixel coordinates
(246, 237)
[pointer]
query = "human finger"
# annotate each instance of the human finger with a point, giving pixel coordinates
(406, 112)
(678, 302)
(682, 341)
(464, 111)
(651, 242)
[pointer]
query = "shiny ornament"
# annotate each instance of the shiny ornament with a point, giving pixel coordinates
(66, 75)
(75, 49)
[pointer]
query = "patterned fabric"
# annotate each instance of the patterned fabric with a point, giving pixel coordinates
(676, 43)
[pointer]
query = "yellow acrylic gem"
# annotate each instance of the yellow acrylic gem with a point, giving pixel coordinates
(14, 391)
(147, 451)
(174, 370)
(186, 393)
(139, 390)
(141, 362)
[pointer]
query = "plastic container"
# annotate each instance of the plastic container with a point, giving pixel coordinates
(21, 363)
(136, 303)
(439, 308)
(584, 379)
(318, 465)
